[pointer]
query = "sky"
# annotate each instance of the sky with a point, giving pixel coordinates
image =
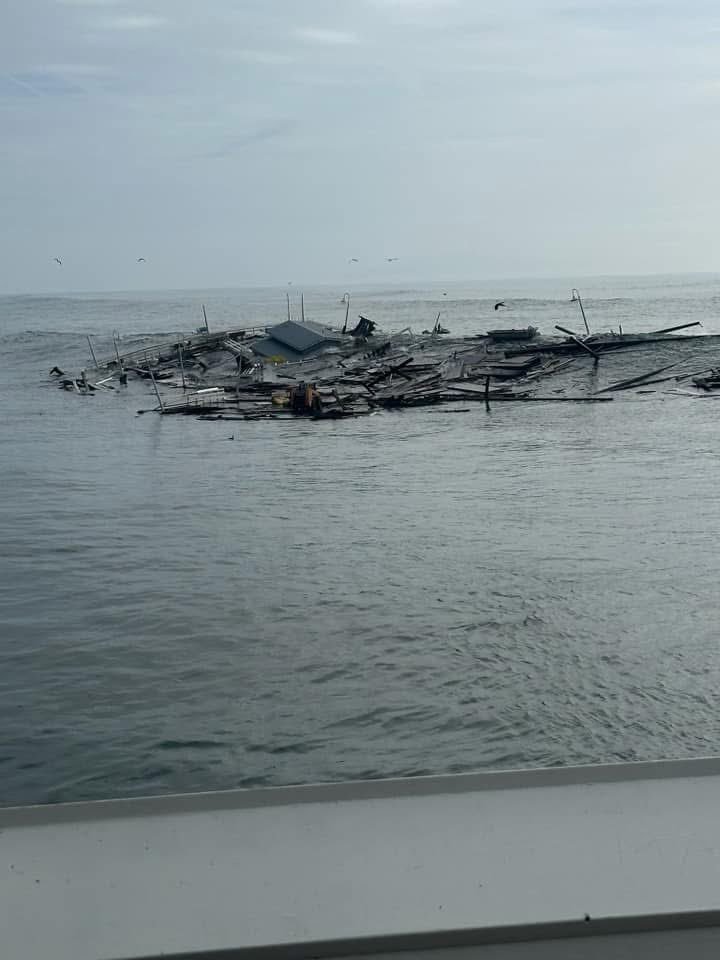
(269, 141)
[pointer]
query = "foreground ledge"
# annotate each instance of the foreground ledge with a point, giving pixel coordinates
(497, 865)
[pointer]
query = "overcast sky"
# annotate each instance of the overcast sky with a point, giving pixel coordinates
(262, 141)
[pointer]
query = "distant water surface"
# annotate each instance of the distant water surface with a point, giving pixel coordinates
(423, 591)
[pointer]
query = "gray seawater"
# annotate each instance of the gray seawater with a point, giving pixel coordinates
(414, 592)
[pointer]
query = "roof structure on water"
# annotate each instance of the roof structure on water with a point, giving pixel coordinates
(293, 339)
(303, 336)
(270, 347)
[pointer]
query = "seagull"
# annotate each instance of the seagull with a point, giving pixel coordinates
(353, 260)
(57, 260)
(392, 259)
(141, 260)
(499, 304)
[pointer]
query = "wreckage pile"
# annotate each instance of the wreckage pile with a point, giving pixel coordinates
(305, 369)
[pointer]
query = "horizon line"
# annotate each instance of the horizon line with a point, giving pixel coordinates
(357, 284)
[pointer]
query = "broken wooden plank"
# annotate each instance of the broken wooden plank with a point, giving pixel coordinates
(636, 381)
(578, 341)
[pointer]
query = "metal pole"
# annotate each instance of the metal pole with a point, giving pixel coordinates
(157, 392)
(205, 318)
(182, 365)
(576, 296)
(97, 365)
(346, 298)
(302, 306)
(287, 295)
(117, 352)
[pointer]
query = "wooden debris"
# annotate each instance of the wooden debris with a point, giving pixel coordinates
(218, 375)
(709, 382)
(640, 379)
(579, 342)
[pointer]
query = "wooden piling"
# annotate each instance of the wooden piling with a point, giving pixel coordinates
(97, 365)
(157, 392)
(207, 328)
(576, 296)
(182, 366)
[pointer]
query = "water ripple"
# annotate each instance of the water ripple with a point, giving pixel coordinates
(402, 594)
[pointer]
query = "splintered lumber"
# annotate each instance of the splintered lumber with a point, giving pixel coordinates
(550, 366)
(402, 371)
(578, 341)
(500, 371)
(636, 381)
(476, 389)
(682, 326)
(420, 384)
(605, 342)
(525, 399)
(375, 374)
(710, 382)
(415, 400)
(685, 376)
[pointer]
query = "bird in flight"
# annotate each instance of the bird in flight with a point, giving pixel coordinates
(57, 260)
(392, 259)
(141, 260)
(499, 304)
(353, 260)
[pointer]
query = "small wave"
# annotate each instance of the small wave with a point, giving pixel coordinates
(25, 336)
(189, 744)
(278, 749)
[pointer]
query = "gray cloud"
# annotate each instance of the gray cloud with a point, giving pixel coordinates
(324, 35)
(267, 57)
(132, 21)
(232, 145)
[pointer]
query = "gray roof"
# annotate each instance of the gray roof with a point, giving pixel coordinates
(303, 337)
(270, 347)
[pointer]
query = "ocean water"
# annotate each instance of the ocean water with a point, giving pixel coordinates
(419, 591)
